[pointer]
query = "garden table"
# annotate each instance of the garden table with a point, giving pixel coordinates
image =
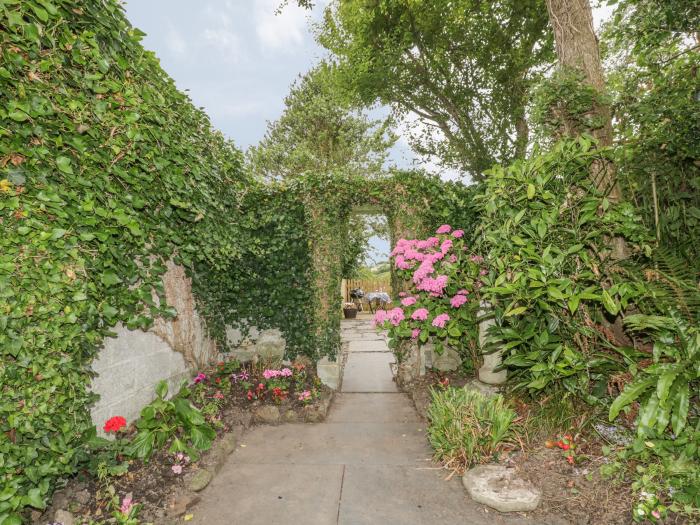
(382, 299)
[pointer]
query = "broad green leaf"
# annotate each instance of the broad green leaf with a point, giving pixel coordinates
(530, 191)
(680, 408)
(609, 303)
(630, 393)
(515, 311)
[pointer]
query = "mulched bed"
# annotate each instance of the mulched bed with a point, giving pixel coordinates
(231, 399)
(571, 494)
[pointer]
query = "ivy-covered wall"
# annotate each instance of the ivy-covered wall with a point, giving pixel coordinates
(106, 173)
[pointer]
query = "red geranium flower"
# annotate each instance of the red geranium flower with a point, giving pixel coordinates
(114, 424)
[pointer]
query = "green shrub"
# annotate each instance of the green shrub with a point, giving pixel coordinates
(553, 282)
(467, 427)
(665, 388)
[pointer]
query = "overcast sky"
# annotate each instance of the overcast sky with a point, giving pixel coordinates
(237, 59)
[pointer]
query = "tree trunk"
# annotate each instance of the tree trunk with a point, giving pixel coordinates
(577, 48)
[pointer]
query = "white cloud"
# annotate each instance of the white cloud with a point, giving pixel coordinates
(175, 42)
(279, 32)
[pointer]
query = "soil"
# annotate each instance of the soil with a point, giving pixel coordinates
(163, 494)
(571, 494)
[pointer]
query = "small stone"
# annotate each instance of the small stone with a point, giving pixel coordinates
(290, 416)
(267, 414)
(447, 361)
(500, 488)
(483, 388)
(312, 414)
(64, 517)
(182, 503)
(200, 480)
(83, 497)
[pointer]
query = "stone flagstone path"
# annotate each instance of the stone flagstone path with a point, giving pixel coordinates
(368, 463)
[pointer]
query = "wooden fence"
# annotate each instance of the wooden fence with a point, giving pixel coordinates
(367, 286)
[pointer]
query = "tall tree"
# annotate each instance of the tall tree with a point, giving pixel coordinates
(463, 68)
(577, 50)
(319, 131)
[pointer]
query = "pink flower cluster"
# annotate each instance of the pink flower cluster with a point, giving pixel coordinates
(408, 301)
(441, 320)
(269, 374)
(458, 300)
(395, 316)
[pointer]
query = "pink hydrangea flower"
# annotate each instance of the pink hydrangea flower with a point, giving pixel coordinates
(401, 263)
(441, 320)
(415, 333)
(425, 269)
(421, 314)
(396, 315)
(445, 228)
(380, 317)
(408, 301)
(435, 286)
(458, 300)
(457, 234)
(446, 246)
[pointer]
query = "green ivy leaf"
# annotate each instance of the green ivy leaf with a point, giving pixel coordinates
(64, 164)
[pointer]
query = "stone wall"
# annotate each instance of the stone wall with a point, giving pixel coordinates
(130, 365)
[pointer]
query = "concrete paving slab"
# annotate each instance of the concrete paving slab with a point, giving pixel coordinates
(418, 496)
(255, 494)
(368, 372)
(334, 444)
(365, 345)
(372, 408)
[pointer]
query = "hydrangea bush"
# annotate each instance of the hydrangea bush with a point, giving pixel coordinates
(442, 297)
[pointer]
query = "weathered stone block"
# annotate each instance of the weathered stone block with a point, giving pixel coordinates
(500, 488)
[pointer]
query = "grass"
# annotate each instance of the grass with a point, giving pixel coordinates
(467, 427)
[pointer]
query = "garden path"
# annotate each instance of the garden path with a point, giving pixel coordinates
(368, 463)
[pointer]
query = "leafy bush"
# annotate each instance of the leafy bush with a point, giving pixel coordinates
(178, 419)
(665, 388)
(553, 282)
(467, 427)
(440, 306)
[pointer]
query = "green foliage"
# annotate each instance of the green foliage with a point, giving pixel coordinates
(654, 82)
(664, 389)
(176, 419)
(106, 172)
(552, 281)
(319, 132)
(425, 58)
(467, 427)
(565, 106)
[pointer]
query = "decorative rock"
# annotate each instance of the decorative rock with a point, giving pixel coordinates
(181, 503)
(267, 414)
(447, 361)
(64, 517)
(498, 487)
(221, 450)
(290, 416)
(483, 388)
(199, 480)
(83, 497)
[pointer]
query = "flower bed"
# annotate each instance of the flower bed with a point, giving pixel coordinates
(127, 483)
